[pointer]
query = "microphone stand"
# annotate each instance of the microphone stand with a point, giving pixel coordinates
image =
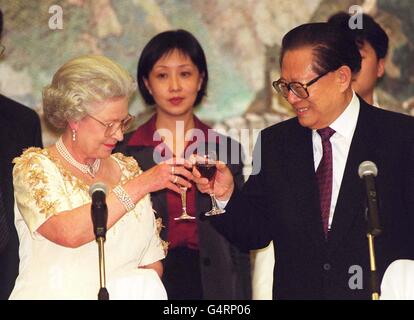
(373, 267)
(374, 230)
(103, 292)
(367, 171)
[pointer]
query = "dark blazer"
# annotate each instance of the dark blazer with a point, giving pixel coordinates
(225, 270)
(19, 129)
(281, 204)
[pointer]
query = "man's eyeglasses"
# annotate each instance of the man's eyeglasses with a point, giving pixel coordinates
(299, 89)
(113, 127)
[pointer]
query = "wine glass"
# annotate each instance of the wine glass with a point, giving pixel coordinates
(206, 165)
(184, 214)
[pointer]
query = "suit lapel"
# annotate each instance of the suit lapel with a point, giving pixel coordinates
(303, 181)
(351, 196)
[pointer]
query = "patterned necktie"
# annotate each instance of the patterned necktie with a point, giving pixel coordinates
(4, 228)
(324, 176)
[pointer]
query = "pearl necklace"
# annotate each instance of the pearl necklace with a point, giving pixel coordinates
(85, 168)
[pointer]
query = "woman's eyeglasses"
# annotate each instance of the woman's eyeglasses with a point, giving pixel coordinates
(113, 127)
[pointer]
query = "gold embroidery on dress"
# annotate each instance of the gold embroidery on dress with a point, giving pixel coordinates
(36, 176)
(76, 183)
(159, 226)
(28, 158)
(36, 179)
(130, 165)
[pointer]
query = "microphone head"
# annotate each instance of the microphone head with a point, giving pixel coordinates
(98, 186)
(367, 168)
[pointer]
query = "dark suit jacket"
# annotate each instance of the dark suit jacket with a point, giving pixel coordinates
(19, 129)
(281, 204)
(225, 270)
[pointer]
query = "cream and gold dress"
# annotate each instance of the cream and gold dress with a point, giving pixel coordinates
(43, 188)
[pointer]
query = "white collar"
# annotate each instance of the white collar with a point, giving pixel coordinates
(345, 124)
(375, 98)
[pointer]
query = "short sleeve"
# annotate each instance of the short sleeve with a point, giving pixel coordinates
(128, 166)
(156, 249)
(38, 188)
(397, 281)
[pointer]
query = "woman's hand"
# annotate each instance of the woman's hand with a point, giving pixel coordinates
(171, 175)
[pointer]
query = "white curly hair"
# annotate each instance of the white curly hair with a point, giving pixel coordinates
(82, 82)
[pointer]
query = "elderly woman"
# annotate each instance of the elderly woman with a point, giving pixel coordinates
(88, 98)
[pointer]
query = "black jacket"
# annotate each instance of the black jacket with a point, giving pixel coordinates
(281, 204)
(19, 129)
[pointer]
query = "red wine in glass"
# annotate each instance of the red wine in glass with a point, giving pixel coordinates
(206, 165)
(207, 170)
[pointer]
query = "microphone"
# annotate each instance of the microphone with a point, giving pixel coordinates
(99, 210)
(368, 171)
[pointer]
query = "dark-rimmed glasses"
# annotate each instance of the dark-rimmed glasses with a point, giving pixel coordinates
(298, 88)
(112, 127)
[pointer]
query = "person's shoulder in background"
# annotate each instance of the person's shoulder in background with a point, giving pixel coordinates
(14, 111)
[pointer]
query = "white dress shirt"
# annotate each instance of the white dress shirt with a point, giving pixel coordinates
(344, 127)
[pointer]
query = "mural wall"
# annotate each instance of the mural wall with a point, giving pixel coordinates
(241, 40)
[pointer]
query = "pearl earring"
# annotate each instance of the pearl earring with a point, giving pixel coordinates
(73, 135)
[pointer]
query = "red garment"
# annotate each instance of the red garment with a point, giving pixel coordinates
(180, 233)
(324, 176)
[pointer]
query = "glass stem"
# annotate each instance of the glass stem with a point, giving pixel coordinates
(213, 201)
(183, 194)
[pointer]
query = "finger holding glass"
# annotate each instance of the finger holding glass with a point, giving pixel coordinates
(206, 165)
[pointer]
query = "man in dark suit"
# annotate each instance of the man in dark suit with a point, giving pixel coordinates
(307, 196)
(19, 129)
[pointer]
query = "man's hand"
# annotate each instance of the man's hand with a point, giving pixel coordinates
(223, 184)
